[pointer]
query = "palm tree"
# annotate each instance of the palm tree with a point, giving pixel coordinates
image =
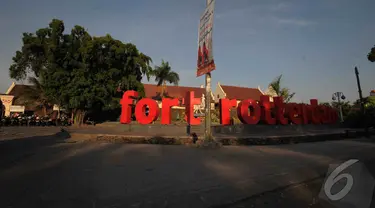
(35, 94)
(371, 55)
(144, 62)
(275, 87)
(163, 74)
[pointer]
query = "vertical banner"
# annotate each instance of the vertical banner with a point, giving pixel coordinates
(205, 63)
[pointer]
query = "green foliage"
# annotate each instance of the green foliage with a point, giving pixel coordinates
(355, 119)
(78, 71)
(369, 102)
(371, 55)
(164, 73)
(325, 104)
(284, 92)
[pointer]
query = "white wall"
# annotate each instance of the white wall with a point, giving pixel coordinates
(219, 93)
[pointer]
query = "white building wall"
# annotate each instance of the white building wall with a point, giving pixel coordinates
(219, 93)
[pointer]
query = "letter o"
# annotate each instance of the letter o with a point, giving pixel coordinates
(243, 112)
(140, 111)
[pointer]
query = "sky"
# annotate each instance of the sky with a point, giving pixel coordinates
(315, 44)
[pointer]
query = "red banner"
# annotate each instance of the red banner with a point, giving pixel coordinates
(205, 62)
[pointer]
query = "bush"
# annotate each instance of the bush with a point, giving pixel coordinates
(355, 119)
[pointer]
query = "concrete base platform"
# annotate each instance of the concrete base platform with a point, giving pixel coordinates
(104, 135)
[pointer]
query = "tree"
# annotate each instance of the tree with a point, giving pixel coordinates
(78, 71)
(325, 104)
(275, 87)
(371, 55)
(345, 106)
(163, 74)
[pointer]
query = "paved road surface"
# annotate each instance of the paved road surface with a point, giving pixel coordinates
(48, 172)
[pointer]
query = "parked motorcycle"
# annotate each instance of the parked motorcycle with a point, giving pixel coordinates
(14, 121)
(22, 120)
(65, 121)
(5, 121)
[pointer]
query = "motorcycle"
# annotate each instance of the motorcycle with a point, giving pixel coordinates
(22, 120)
(31, 120)
(14, 121)
(5, 121)
(65, 121)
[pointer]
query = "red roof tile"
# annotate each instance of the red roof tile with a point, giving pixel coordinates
(241, 93)
(153, 91)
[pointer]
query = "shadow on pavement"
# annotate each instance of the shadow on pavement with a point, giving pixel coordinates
(14, 150)
(59, 174)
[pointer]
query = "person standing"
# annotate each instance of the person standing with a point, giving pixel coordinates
(1, 112)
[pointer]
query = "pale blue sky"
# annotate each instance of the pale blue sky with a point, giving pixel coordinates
(315, 44)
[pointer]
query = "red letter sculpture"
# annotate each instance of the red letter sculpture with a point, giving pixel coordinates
(266, 115)
(126, 102)
(294, 113)
(190, 101)
(140, 111)
(334, 116)
(243, 112)
(225, 107)
(304, 113)
(315, 114)
(324, 114)
(280, 109)
(166, 109)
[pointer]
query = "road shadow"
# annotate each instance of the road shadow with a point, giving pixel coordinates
(122, 175)
(16, 149)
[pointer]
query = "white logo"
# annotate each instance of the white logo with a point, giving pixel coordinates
(334, 177)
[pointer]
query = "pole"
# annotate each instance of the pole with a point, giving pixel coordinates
(340, 107)
(359, 91)
(361, 100)
(207, 120)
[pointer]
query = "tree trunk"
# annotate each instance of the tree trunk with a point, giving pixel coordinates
(58, 116)
(162, 89)
(72, 116)
(44, 110)
(79, 116)
(58, 113)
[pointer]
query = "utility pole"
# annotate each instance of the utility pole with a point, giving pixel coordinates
(359, 91)
(361, 100)
(207, 120)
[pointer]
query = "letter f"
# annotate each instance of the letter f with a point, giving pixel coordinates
(126, 109)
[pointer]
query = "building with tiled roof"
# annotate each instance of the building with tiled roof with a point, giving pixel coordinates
(236, 92)
(14, 100)
(372, 93)
(154, 92)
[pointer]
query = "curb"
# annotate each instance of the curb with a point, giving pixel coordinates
(190, 140)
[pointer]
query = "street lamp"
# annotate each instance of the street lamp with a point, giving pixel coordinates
(339, 96)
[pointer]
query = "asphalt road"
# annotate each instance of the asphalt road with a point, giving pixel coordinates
(46, 171)
(304, 194)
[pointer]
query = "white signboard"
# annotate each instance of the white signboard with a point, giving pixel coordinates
(57, 108)
(17, 108)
